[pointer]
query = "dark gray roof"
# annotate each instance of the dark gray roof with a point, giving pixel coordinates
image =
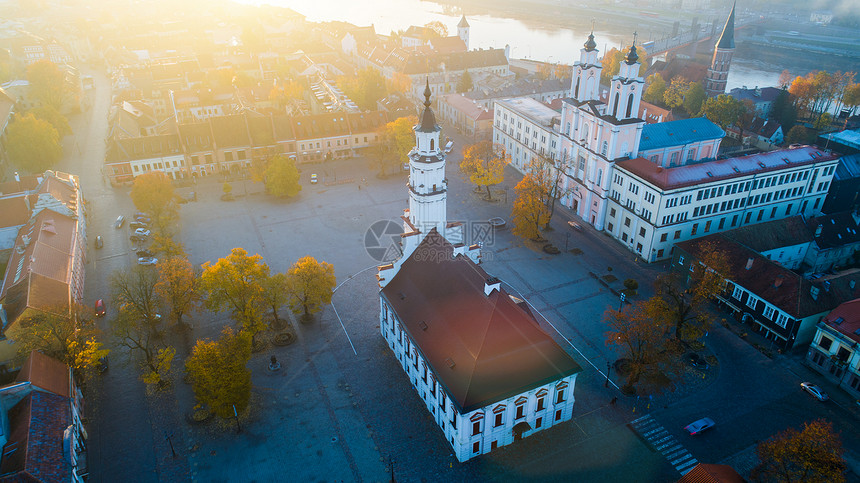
(849, 167)
(838, 229)
(727, 38)
(771, 235)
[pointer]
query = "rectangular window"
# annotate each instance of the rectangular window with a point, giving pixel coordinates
(642, 231)
(520, 411)
(664, 236)
(707, 226)
(476, 447)
(825, 343)
(677, 235)
(612, 212)
(498, 421)
(722, 224)
(695, 229)
(540, 406)
(768, 312)
(476, 428)
(538, 422)
(626, 221)
(660, 253)
(558, 413)
(737, 293)
(752, 302)
(559, 397)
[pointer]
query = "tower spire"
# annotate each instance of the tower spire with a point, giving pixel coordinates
(727, 37)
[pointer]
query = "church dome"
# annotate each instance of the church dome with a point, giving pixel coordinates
(590, 44)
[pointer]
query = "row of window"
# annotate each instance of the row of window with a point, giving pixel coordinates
(158, 166)
(769, 312)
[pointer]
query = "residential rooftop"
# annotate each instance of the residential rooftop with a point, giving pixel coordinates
(676, 133)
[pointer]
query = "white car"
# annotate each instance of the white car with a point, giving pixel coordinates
(147, 261)
(814, 391)
(142, 232)
(697, 427)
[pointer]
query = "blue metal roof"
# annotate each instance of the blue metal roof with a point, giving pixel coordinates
(678, 133)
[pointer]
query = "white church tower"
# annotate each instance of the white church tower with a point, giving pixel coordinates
(463, 31)
(585, 81)
(625, 92)
(428, 187)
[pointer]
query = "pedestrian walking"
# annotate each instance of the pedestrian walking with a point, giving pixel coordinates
(613, 401)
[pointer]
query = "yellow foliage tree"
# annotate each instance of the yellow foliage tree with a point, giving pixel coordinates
(394, 140)
(811, 455)
(674, 94)
(310, 285)
(483, 165)
(142, 337)
(162, 363)
(530, 211)
(62, 333)
(236, 283)
(176, 286)
(219, 374)
(153, 194)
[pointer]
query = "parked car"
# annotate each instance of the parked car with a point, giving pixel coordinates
(134, 225)
(141, 216)
(99, 241)
(119, 221)
(100, 308)
(144, 253)
(314, 178)
(142, 232)
(103, 365)
(137, 238)
(147, 261)
(697, 427)
(814, 391)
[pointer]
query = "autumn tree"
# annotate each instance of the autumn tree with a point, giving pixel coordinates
(399, 82)
(393, 142)
(483, 165)
(33, 145)
(219, 374)
(813, 454)
(656, 89)
(282, 177)
(48, 84)
(166, 247)
(674, 95)
(530, 212)
(134, 290)
(310, 285)
(53, 116)
(723, 110)
(235, 283)
(799, 135)
(641, 338)
(153, 194)
(65, 334)
(284, 92)
(694, 98)
(465, 83)
(851, 99)
(683, 296)
(782, 110)
(276, 292)
(435, 29)
(365, 89)
(176, 287)
(143, 337)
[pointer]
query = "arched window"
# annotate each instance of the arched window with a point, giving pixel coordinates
(576, 89)
(629, 105)
(615, 106)
(431, 144)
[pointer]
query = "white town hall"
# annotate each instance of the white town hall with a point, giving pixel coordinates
(486, 371)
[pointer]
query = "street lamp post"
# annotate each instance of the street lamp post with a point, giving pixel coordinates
(167, 437)
(608, 368)
(235, 413)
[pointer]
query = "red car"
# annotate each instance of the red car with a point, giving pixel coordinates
(100, 308)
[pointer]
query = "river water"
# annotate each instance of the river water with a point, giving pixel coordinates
(526, 41)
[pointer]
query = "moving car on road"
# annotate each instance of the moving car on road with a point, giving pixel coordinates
(697, 427)
(574, 225)
(100, 308)
(99, 241)
(314, 178)
(814, 391)
(147, 261)
(119, 221)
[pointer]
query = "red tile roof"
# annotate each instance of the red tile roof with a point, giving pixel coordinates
(14, 211)
(46, 373)
(482, 348)
(846, 319)
(705, 473)
(720, 169)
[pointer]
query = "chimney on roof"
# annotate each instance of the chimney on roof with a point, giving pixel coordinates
(749, 263)
(813, 292)
(491, 284)
(826, 285)
(777, 283)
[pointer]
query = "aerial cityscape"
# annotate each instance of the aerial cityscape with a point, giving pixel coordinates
(269, 240)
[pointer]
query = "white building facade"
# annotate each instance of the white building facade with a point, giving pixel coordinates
(524, 127)
(650, 208)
